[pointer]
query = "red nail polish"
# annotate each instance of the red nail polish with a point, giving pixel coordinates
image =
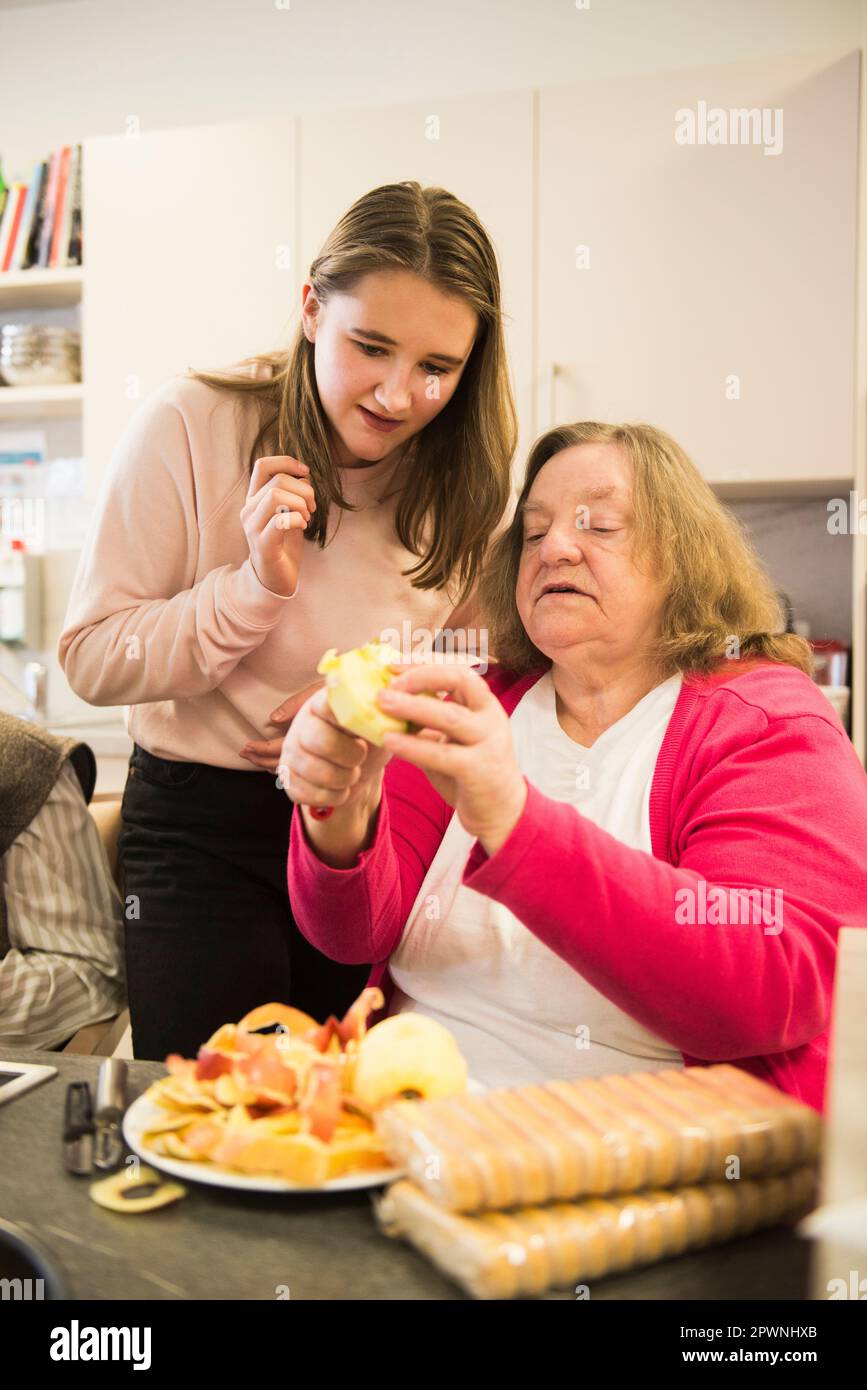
(321, 812)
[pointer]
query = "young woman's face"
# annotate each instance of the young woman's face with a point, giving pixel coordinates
(578, 536)
(396, 347)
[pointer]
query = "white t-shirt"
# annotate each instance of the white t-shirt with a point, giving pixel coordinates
(518, 1012)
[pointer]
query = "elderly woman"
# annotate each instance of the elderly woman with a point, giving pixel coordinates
(632, 843)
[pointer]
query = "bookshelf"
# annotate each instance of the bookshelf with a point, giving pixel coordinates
(25, 291)
(40, 289)
(41, 402)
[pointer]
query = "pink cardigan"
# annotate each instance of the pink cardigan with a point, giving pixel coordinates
(756, 785)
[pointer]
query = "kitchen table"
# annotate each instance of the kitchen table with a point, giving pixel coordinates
(221, 1244)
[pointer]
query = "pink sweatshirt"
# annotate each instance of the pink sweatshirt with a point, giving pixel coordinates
(756, 785)
(166, 613)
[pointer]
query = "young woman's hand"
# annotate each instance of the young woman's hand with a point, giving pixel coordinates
(276, 537)
(465, 747)
(265, 753)
(323, 765)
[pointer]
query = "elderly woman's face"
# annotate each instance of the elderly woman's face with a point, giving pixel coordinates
(577, 584)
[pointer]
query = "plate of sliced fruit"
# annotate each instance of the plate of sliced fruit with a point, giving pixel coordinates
(280, 1103)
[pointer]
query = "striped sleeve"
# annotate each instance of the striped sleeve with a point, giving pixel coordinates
(65, 965)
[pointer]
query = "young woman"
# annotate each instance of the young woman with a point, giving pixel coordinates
(252, 518)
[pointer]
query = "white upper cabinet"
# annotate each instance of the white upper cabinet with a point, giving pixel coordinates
(706, 288)
(463, 144)
(188, 237)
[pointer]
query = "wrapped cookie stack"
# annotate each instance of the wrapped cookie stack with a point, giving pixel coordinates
(553, 1185)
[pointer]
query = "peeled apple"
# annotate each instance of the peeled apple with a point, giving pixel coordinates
(407, 1054)
(352, 681)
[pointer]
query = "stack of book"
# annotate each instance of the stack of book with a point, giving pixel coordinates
(40, 222)
(548, 1186)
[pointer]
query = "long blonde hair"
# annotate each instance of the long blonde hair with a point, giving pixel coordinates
(459, 475)
(716, 587)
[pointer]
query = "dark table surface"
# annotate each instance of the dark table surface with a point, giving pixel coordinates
(216, 1243)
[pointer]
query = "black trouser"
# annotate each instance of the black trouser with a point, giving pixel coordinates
(208, 925)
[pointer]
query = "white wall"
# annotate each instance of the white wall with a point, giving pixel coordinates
(81, 68)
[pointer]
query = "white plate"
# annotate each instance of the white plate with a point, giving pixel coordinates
(143, 1114)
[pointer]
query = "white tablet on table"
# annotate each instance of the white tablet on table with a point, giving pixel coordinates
(18, 1077)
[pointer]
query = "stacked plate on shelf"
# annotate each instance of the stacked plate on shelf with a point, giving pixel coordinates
(37, 354)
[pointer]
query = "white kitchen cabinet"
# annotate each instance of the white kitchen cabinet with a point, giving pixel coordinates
(708, 289)
(188, 237)
(480, 148)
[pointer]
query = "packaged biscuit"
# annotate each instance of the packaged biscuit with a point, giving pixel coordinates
(527, 1250)
(597, 1135)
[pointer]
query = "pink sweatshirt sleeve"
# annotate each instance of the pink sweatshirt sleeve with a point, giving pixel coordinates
(357, 915)
(780, 807)
(138, 628)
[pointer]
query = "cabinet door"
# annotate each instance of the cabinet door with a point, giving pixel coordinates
(187, 237)
(480, 148)
(708, 289)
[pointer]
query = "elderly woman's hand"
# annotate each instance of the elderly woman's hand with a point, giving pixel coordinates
(465, 747)
(322, 764)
